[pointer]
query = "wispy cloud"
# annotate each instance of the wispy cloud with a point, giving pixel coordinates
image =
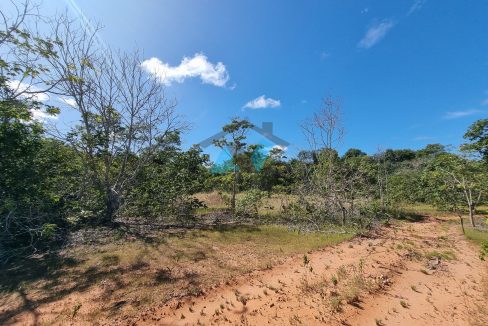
(196, 66)
(71, 102)
(27, 91)
(424, 138)
(417, 5)
(485, 101)
(365, 10)
(262, 102)
(375, 34)
(33, 93)
(461, 114)
(324, 55)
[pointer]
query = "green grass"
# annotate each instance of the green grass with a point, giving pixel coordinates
(476, 236)
(446, 255)
(275, 238)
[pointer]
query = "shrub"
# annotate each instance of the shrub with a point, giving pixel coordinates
(249, 204)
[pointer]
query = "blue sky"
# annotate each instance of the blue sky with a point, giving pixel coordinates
(408, 73)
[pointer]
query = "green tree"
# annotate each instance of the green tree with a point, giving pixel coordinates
(234, 143)
(165, 186)
(276, 172)
(455, 182)
(477, 135)
(36, 180)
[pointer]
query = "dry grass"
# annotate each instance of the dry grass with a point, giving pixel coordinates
(126, 275)
(272, 205)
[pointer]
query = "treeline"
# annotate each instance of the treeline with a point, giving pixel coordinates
(321, 186)
(122, 159)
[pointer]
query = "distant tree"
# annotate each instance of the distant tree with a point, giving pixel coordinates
(455, 182)
(477, 135)
(353, 152)
(399, 155)
(276, 172)
(234, 142)
(431, 150)
(322, 188)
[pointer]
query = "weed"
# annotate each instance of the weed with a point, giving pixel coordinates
(335, 303)
(404, 304)
(243, 299)
(414, 288)
(342, 272)
(295, 320)
(306, 260)
(76, 307)
(484, 249)
(334, 280)
(446, 255)
(351, 294)
(424, 271)
(378, 322)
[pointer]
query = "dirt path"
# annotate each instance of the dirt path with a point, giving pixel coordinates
(422, 273)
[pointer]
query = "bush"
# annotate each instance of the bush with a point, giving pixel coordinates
(249, 204)
(484, 250)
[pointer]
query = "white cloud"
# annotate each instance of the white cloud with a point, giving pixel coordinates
(365, 10)
(71, 102)
(197, 66)
(42, 116)
(417, 5)
(262, 102)
(283, 148)
(375, 34)
(33, 92)
(461, 114)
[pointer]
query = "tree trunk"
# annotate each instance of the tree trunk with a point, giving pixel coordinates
(471, 215)
(112, 205)
(462, 223)
(343, 209)
(234, 186)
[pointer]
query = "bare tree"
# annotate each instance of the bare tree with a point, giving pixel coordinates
(324, 181)
(123, 111)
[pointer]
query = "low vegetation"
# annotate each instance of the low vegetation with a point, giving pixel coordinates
(115, 199)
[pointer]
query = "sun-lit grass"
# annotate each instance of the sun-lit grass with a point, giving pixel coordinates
(447, 255)
(152, 270)
(271, 206)
(423, 209)
(476, 235)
